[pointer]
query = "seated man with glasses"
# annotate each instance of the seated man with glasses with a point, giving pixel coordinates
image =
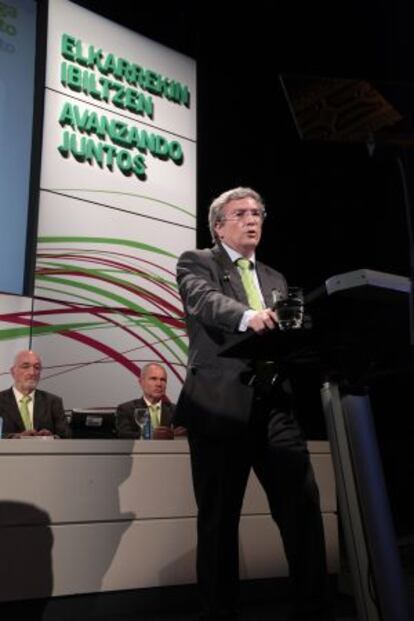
(26, 411)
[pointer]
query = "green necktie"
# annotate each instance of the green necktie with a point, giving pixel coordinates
(154, 413)
(249, 284)
(24, 412)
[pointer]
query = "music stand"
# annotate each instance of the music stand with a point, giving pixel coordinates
(379, 115)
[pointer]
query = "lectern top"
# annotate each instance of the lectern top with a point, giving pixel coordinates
(364, 283)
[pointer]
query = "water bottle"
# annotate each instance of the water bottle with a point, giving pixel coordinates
(1, 427)
(146, 429)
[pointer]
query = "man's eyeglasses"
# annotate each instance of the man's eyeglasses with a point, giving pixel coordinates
(241, 214)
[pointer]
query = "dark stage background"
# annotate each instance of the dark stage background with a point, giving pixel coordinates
(331, 208)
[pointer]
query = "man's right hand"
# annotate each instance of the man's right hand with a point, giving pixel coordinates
(162, 432)
(32, 433)
(23, 434)
(262, 321)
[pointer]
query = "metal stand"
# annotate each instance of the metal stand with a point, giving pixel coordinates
(379, 584)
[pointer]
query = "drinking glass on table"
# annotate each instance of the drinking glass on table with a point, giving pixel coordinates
(289, 308)
(143, 420)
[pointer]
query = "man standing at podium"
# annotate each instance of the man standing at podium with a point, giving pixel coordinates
(238, 416)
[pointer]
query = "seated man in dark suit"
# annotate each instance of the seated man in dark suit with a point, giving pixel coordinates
(27, 411)
(153, 382)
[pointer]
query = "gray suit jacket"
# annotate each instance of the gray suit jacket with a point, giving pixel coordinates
(127, 427)
(48, 413)
(216, 396)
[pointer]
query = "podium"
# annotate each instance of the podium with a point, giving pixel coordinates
(347, 344)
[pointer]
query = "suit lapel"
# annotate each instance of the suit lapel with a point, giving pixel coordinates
(14, 407)
(270, 282)
(266, 284)
(38, 410)
(164, 418)
(229, 275)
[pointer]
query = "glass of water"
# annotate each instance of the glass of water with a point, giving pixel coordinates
(142, 418)
(289, 308)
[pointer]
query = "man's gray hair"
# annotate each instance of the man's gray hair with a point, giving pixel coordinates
(215, 213)
(146, 368)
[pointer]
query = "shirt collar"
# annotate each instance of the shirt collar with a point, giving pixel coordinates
(154, 405)
(234, 255)
(19, 395)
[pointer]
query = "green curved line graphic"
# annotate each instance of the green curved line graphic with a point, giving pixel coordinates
(14, 333)
(127, 321)
(149, 198)
(47, 239)
(121, 300)
(91, 272)
(105, 271)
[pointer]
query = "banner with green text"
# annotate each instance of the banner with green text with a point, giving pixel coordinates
(117, 206)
